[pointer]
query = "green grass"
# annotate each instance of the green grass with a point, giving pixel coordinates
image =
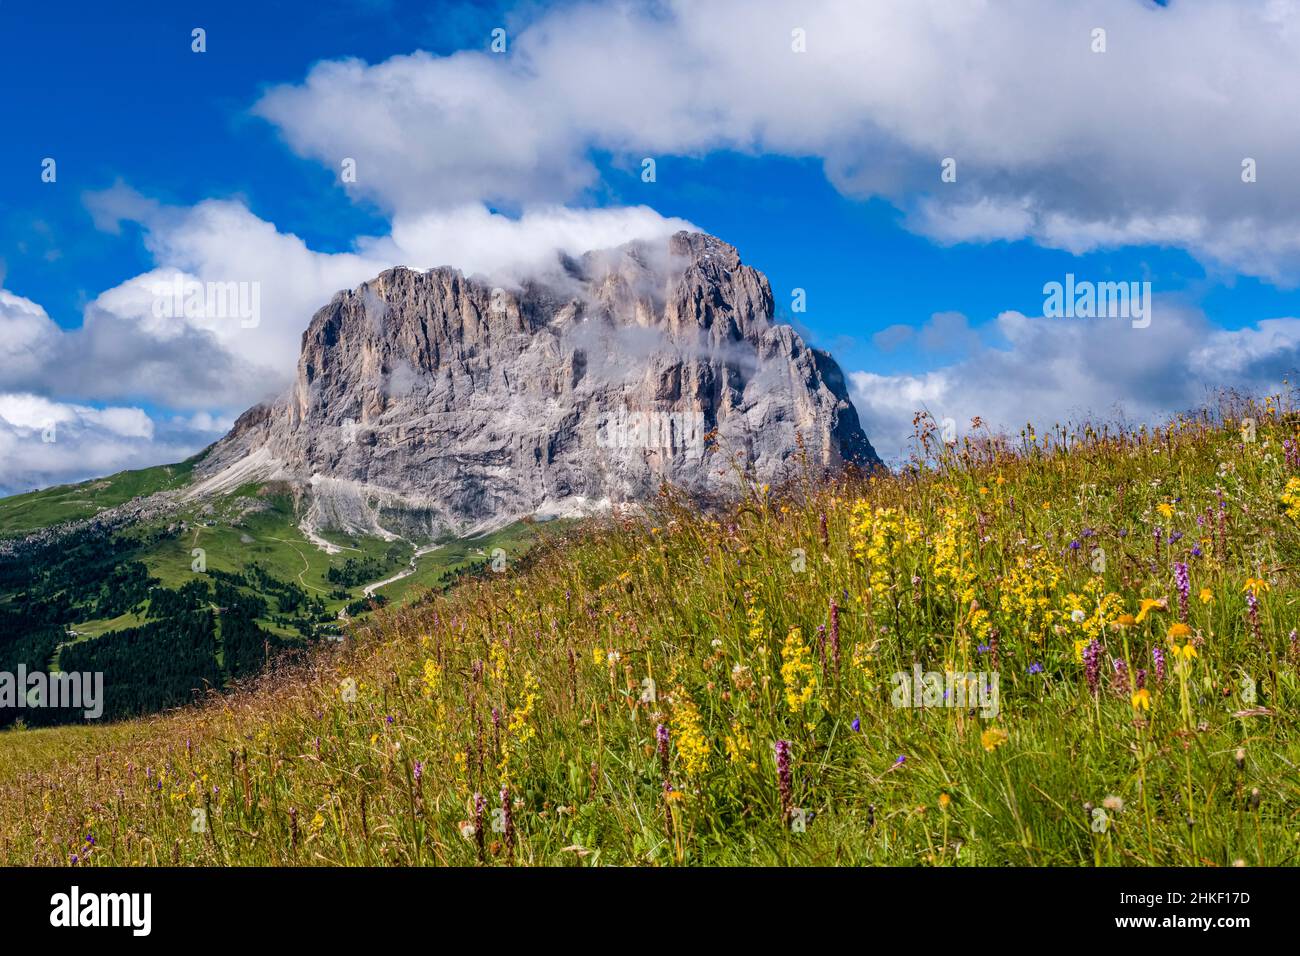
(255, 523)
(23, 513)
(456, 555)
(622, 689)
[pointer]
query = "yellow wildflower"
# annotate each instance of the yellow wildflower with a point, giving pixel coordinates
(1149, 605)
(993, 738)
(688, 731)
(737, 745)
(1291, 498)
(431, 679)
(797, 671)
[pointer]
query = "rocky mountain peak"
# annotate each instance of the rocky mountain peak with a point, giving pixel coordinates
(430, 402)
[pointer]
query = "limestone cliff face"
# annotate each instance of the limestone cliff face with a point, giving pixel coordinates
(429, 403)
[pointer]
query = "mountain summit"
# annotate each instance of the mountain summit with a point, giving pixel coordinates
(429, 403)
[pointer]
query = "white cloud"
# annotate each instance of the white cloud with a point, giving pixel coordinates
(28, 338)
(1047, 371)
(503, 248)
(207, 362)
(1078, 150)
(45, 442)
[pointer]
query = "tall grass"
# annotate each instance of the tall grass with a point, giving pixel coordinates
(717, 688)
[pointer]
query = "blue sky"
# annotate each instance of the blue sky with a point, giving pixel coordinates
(828, 181)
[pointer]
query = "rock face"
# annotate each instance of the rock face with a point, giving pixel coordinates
(429, 403)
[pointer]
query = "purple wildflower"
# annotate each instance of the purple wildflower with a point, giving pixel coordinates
(507, 821)
(1183, 582)
(784, 778)
(1092, 665)
(1119, 677)
(661, 743)
(480, 813)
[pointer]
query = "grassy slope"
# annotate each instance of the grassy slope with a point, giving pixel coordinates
(39, 509)
(232, 541)
(724, 617)
(254, 524)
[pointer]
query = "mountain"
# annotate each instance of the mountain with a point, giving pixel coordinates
(433, 417)
(429, 403)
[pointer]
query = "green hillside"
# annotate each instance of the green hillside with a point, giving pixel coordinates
(20, 514)
(234, 573)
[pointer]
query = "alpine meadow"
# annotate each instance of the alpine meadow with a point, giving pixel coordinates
(714, 688)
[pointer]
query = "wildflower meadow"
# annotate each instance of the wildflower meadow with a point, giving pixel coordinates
(721, 687)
